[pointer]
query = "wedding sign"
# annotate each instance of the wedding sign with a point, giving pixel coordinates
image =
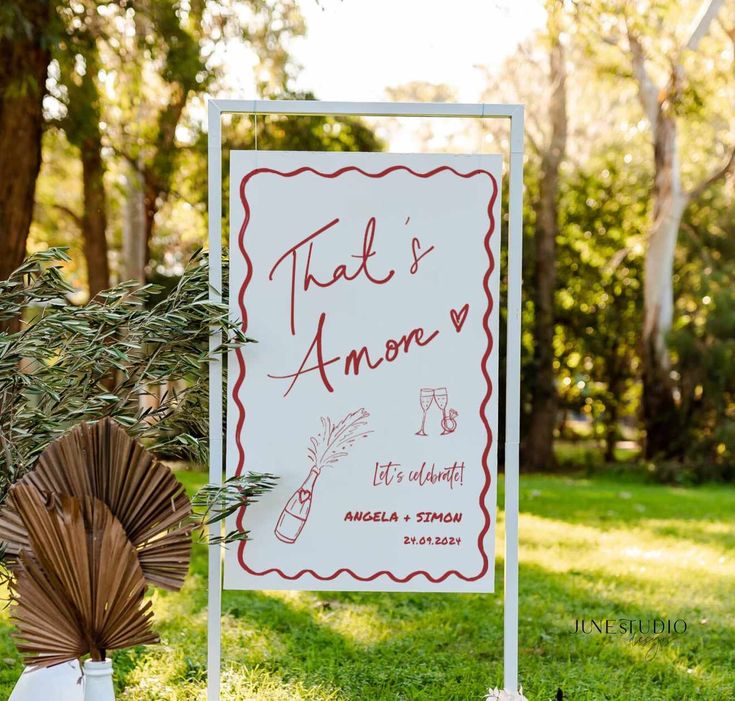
(371, 283)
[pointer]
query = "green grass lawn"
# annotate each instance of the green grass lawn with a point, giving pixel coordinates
(591, 548)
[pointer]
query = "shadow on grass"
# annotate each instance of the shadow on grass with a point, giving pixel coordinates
(433, 647)
(606, 502)
(449, 647)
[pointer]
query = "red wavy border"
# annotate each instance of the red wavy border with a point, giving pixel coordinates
(483, 365)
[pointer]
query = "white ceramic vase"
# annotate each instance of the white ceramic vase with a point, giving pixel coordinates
(98, 681)
(62, 682)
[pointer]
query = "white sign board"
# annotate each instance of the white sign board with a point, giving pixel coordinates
(371, 282)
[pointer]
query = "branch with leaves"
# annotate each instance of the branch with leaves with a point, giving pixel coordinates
(69, 363)
(214, 503)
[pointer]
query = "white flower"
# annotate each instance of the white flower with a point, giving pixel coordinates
(499, 695)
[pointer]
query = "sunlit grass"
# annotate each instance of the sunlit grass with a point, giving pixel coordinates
(591, 548)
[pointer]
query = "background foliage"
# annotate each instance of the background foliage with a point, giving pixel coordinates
(122, 184)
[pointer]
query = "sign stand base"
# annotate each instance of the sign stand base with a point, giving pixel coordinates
(498, 695)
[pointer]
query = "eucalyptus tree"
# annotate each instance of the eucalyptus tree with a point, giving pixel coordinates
(703, 335)
(666, 64)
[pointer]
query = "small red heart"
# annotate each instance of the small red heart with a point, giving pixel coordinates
(304, 494)
(458, 317)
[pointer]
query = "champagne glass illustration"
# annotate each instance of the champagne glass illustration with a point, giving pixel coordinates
(327, 448)
(441, 398)
(426, 397)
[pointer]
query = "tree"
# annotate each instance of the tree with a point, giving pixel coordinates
(188, 203)
(670, 199)
(599, 263)
(156, 57)
(179, 47)
(79, 63)
(26, 31)
(664, 102)
(538, 448)
(702, 339)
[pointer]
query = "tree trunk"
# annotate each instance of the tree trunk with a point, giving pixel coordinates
(158, 172)
(660, 413)
(25, 58)
(94, 220)
(135, 257)
(611, 421)
(134, 228)
(150, 205)
(538, 449)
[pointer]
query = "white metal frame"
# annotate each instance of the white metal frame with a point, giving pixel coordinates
(216, 108)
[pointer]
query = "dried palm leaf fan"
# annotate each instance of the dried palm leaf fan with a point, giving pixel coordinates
(102, 461)
(78, 589)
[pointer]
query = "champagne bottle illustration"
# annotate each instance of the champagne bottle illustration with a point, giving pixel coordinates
(294, 514)
(326, 449)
